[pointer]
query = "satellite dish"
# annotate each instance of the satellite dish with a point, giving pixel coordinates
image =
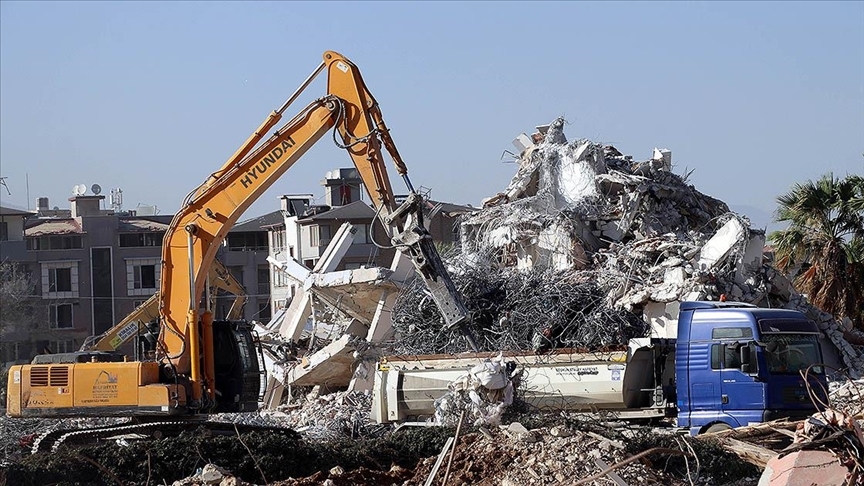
(78, 189)
(96, 189)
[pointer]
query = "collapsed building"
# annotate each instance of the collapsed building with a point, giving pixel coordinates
(585, 249)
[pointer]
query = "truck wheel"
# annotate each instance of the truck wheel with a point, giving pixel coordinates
(718, 427)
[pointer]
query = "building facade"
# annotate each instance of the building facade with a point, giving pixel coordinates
(307, 229)
(91, 267)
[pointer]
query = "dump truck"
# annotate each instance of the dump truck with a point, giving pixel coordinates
(731, 364)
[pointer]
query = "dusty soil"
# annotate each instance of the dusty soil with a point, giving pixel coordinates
(561, 454)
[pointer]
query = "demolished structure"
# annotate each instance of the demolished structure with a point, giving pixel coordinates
(585, 249)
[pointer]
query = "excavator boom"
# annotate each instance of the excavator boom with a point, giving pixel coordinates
(212, 209)
(204, 366)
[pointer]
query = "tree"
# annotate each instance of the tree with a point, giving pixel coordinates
(823, 246)
(24, 316)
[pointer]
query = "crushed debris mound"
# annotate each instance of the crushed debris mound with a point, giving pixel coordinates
(587, 248)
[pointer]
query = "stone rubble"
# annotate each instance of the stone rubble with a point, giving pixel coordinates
(646, 236)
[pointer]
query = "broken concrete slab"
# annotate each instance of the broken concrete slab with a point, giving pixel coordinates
(716, 248)
(805, 468)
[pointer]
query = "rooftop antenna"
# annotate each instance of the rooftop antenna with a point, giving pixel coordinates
(79, 189)
(117, 199)
(3, 183)
(96, 189)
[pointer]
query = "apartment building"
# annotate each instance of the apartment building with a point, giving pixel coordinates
(91, 267)
(307, 229)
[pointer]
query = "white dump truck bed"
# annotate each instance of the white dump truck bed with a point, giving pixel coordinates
(406, 387)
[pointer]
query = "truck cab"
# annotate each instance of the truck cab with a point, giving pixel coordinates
(737, 364)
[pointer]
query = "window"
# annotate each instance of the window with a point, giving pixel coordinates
(237, 273)
(280, 278)
(4, 231)
(142, 275)
(63, 346)
(247, 241)
(278, 240)
(787, 354)
(59, 279)
(319, 235)
(363, 235)
(264, 279)
(66, 242)
(715, 357)
(731, 333)
(140, 239)
(726, 356)
(138, 303)
(264, 312)
(60, 316)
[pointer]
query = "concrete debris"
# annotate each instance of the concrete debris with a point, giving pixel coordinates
(485, 391)
(319, 416)
(211, 474)
(633, 235)
(847, 397)
(826, 450)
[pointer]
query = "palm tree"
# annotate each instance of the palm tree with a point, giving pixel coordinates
(823, 246)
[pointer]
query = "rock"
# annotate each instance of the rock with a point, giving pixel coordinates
(559, 431)
(211, 474)
(337, 471)
(517, 428)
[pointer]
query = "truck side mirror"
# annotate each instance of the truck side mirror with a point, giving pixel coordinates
(747, 364)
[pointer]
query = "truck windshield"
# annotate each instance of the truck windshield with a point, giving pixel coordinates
(790, 353)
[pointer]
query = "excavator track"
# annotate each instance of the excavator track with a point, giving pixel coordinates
(54, 440)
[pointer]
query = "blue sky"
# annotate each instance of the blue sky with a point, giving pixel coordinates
(152, 97)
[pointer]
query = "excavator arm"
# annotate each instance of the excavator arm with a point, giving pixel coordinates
(214, 207)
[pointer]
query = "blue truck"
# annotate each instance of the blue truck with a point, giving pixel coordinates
(729, 364)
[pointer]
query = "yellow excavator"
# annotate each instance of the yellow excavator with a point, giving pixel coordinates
(135, 325)
(202, 366)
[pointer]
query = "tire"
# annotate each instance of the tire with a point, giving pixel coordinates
(718, 427)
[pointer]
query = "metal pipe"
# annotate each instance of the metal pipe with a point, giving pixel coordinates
(301, 88)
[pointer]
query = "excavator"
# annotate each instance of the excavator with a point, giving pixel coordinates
(203, 366)
(137, 325)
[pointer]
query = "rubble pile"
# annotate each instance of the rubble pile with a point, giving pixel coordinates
(318, 416)
(848, 397)
(585, 243)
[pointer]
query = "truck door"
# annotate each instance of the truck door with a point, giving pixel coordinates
(741, 396)
(704, 381)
